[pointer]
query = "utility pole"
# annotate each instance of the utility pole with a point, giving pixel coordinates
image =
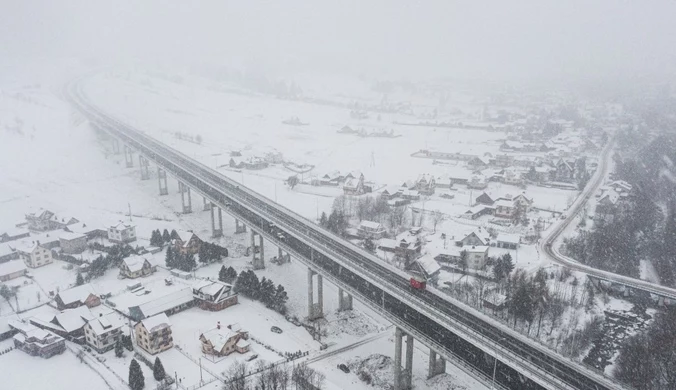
(201, 380)
(129, 207)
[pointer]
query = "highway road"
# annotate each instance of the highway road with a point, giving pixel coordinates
(549, 247)
(449, 327)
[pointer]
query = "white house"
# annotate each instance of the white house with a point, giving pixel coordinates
(122, 232)
(370, 229)
(34, 255)
(508, 241)
(102, 332)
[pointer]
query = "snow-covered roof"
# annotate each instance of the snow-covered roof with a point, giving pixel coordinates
(67, 236)
(5, 320)
(388, 243)
(106, 323)
(73, 319)
(509, 238)
(241, 343)
(5, 249)
(610, 197)
(504, 203)
(122, 226)
(11, 267)
(134, 263)
(156, 323)
(474, 249)
(75, 294)
(15, 231)
(370, 225)
(185, 236)
(430, 265)
(219, 337)
(166, 302)
(27, 247)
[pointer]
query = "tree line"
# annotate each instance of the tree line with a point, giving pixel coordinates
(263, 290)
(112, 259)
(272, 377)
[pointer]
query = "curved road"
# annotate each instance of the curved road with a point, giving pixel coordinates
(549, 249)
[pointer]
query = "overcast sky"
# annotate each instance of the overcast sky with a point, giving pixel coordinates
(495, 40)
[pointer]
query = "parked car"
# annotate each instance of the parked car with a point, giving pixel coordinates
(342, 367)
(252, 357)
(275, 329)
(101, 359)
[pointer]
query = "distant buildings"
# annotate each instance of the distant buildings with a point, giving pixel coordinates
(224, 341)
(369, 229)
(37, 342)
(12, 270)
(102, 332)
(77, 296)
(214, 295)
(154, 334)
(73, 243)
(34, 255)
(43, 220)
(122, 232)
(14, 234)
(168, 304)
(186, 242)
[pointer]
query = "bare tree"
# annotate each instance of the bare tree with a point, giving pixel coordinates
(235, 378)
(437, 216)
(304, 377)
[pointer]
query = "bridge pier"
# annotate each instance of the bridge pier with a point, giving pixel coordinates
(215, 233)
(239, 227)
(162, 179)
(207, 205)
(403, 380)
(183, 189)
(258, 261)
(116, 145)
(344, 300)
(144, 164)
(128, 156)
(437, 365)
(315, 310)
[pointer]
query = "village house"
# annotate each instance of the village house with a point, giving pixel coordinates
(102, 332)
(370, 229)
(477, 182)
(425, 185)
(135, 266)
(479, 210)
(7, 253)
(477, 163)
(409, 195)
(484, 199)
(77, 296)
(43, 220)
(34, 255)
(168, 304)
(332, 179)
(508, 241)
(476, 256)
(354, 186)
(477, 238)
(6, 331)
(73, 243)
(14, 234)
(68, 324)
(504, 208)
(122, 232)
(408, 249)
(428, 268)
(606, 207)
(565, 171)
(154, 334)
(35, 341)
(12, 270)
(224, 341)
(187, 242)
(214, 295)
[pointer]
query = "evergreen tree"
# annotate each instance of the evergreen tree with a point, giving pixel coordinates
(126, 342)
(118, 348)
(166, 237)
(170, 258)
(158, 370)
(323, 220)
(189, 262)
(229, 275)
(136, 379)
(223, 274)
(280, 299)
(174, 234)
(267, 292)
(204, 253)
(79, 281)
(156, 238)
(508, 265)
(369, 245)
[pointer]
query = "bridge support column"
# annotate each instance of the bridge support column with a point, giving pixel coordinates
(183, 189)
(437, 365)
(258, 259)
(128, 156)
(116, 146)
(403, 380)
(207, 205)
(344, 300)
(215, 233)
(239, 227)
(162, 178)
(315, 310)
(144, 164)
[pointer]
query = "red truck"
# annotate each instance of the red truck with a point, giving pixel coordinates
(418, 283)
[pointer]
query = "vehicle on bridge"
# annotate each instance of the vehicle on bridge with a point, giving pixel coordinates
(418, 282)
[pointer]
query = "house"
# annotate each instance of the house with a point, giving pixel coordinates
(43, 220)
(511, 177)
(477, 163)
(508, 241)
(135, 266)
(425, 184)
(330, 179)
(214, 295)
(35, 341)
(388, 245)
(254, 163)
(91, 232)
(73, 243)
(6, 331)
(428, 267)
(12, 270)
(369, 229)
(354, 186)
(522, 202)
(494, 300)
(154, 334)
(168, 304)
(102, 332)
(14, 234)
(565, 171)
(478, 211)
(476, 256)
(186, 242)
(224, 341)
(477, 183)
(408, 249)
(606, 207)
(505, 208)
(34, 255)
(122, 232)
(484, 199)
(409, 195)
(77, 296)
(476, 238)
(7, 253)
(68, 324)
